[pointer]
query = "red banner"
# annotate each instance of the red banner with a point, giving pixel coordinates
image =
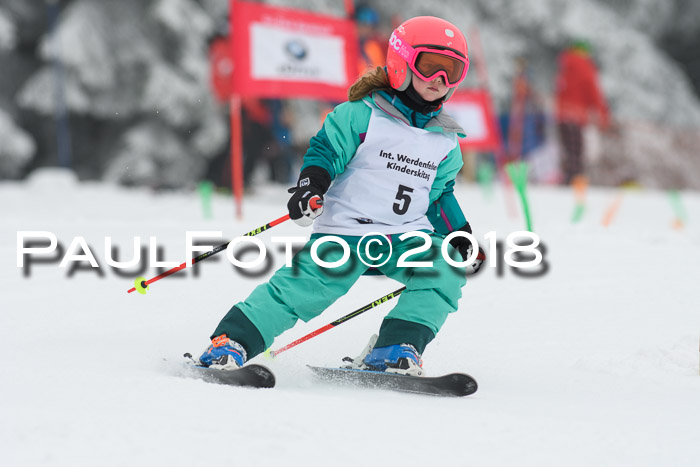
(473, 111)
(282, 53)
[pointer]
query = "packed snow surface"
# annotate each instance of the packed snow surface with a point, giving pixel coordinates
(593, 363)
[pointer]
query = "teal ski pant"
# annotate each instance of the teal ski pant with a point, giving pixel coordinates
(304, 290)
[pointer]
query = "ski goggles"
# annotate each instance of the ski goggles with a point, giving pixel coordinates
(429, 63)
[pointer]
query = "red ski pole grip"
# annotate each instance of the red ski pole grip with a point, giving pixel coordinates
(315, 202)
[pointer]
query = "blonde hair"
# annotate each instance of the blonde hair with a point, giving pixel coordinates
(372, 80)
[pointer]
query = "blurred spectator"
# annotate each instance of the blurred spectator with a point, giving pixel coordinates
(281, 166)
(525, 123)
(577, 97)
(261, 124)
(372, 48)
(258, 139)
(373, 44)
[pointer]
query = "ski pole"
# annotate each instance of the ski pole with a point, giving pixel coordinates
(321, 330)
(141, 284)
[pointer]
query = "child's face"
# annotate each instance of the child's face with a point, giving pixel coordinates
(430, 90)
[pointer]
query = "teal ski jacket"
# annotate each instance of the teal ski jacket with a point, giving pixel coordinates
(345, 127)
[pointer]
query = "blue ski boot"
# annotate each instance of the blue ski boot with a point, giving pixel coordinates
(401, 359)
(223, 354)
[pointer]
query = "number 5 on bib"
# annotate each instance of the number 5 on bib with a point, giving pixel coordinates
(404, 200)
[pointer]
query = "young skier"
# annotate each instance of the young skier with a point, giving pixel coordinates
(386, 162)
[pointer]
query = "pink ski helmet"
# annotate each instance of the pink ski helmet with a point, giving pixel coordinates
(428, 47)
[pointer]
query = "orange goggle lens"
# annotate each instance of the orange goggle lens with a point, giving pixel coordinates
(428, 64)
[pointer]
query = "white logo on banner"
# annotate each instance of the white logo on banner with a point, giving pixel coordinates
(281, 54)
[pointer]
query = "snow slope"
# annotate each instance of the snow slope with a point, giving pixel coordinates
(595, 363)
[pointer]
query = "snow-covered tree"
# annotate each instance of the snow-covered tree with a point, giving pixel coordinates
(135, 65)
(16, 148)
(134, 74)
(8, 32)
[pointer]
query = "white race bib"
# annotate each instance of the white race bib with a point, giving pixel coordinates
(386, 186)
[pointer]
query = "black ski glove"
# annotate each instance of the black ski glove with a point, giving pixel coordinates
(306, 202)
(465, 248)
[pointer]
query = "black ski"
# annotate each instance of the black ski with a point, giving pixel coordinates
(253, 376)
(454, 384)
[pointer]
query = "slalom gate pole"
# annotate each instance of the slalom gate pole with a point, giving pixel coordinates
(337, 322)
(206, 189)
(678, 210)
(612, 209)
(579, 183)
(518, 175)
